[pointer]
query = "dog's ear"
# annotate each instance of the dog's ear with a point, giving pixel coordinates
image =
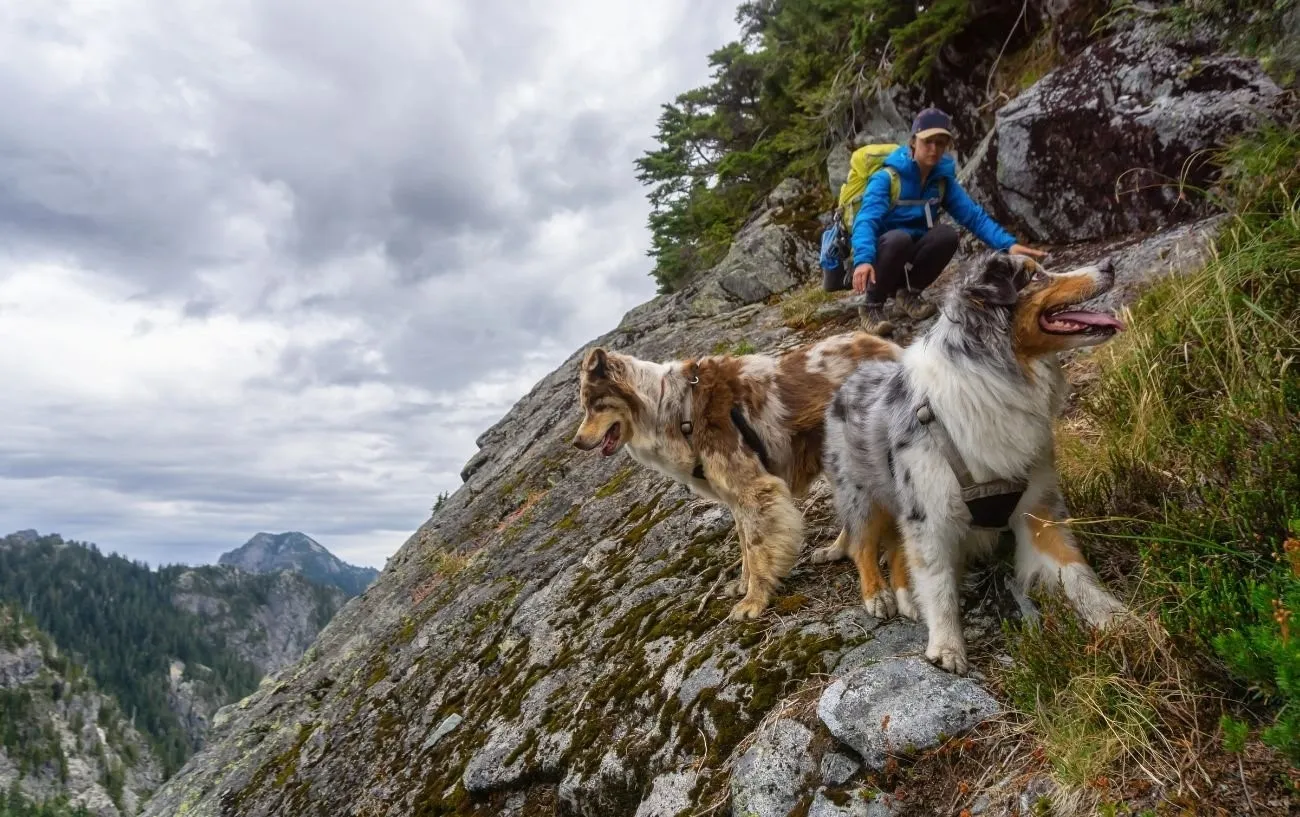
(995, 282)
(596, 365)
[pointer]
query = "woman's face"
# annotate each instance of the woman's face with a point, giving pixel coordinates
(930, 150)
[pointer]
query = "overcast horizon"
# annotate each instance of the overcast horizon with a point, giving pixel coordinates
(275, 266)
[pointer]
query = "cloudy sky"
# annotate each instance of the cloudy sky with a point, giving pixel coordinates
(273, 265)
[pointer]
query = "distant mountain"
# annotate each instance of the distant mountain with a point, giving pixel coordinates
(171, 646)
(298, 552)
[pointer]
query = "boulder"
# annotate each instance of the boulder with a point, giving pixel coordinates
(772, 775)
(860, 803)
(766, 258)
(670, 795)
(902, 706)
(1120, 138)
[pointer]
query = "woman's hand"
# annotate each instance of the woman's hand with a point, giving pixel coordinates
(863, 274)
(1021, 249)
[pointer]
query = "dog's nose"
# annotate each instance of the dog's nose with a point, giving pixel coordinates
(1107, 266)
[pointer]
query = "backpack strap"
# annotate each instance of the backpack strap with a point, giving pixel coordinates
(895, 190)
(928, 204)
(750, 436)
(747, 432)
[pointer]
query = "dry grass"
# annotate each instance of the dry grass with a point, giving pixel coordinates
(799, 310)
(449, 564)
(1016, 72)
(1133, 721)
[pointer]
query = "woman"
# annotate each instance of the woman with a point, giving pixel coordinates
(901, 250)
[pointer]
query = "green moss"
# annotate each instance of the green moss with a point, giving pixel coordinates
(406, 632)
(615, 483)
(839, 797)
(790, 603)
(517, 528)
(378, 670)
(512, 699)
(634, 536)
(507, 489)
(287, 761)
(629, 621)
(278, 770)
(570, 519)
(740, 347)
(527, 744)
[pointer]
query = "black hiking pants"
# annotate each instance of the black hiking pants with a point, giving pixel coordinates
(928, 255)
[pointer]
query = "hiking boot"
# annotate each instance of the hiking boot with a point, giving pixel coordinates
(910, 304)
(874, 320)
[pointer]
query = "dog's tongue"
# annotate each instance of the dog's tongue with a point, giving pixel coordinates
(609, 441)
(1090, 319)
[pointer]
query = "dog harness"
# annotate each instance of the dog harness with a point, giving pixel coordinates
(990, 503)
(747, 432)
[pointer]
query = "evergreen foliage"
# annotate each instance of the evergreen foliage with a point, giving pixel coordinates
(14, 804)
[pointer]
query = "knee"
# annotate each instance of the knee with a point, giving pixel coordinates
(946, 235)
(898, 239)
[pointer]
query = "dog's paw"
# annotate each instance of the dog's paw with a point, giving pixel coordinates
(881, 604)
(906, 604)
(949, 657)
(1107, 613)
(747, 608)
(830, 553)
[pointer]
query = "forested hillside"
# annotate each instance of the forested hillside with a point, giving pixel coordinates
(165, 643)
(66, 747)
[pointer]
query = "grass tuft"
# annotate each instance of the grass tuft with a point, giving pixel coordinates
(799, 310)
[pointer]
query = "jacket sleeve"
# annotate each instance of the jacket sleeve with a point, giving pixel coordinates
(971, 216)
(866, 225)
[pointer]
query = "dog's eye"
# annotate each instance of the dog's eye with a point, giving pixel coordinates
(1040, 274)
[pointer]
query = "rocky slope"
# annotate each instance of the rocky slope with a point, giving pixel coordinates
(60, 737)
(553, 639)
(299, 553)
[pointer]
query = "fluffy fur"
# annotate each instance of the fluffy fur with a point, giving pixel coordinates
(989, 367)
(640, 405)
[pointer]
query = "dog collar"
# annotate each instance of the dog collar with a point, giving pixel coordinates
(692, 375)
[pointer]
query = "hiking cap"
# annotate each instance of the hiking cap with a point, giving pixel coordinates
(931, 121)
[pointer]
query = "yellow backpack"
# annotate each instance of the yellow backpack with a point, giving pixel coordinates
(865, 161)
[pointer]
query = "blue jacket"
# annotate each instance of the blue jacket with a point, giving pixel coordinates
(874, 217)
